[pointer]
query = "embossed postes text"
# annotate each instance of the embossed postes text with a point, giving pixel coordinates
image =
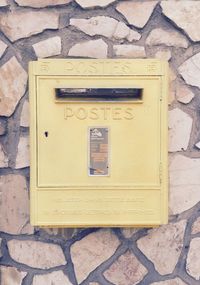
(98, 113)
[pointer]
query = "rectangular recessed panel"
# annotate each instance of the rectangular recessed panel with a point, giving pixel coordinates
(98, 151)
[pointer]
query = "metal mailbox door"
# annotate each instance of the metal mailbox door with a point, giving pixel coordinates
(98, 143)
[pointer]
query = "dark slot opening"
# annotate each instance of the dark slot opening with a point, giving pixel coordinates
(99, 94)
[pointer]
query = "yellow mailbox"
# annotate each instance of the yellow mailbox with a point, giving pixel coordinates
(98, 142)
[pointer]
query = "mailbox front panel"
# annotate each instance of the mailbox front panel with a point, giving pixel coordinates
(98, 143)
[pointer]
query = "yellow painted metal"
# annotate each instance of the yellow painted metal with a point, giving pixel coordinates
(135, 191)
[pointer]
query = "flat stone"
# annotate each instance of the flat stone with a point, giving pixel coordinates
(176, 281)
(105, 26)
(183, 93)
(128, 232)
(184, 183)
(122, 31)
(53, 278)
(198, 145)
(24, 120)
(23, 24)
(190, 70)
(89, 252)
(22, 159)
(3, 47)
(163, 246)
(131, 51)
(185, 14)
(172, 74)
(160, 36)
(172, 93)
(196, 226)
(94, 49)
(47, 48)
(180, 126)
(192, 263)
(94, 3)
(41, 3)
(36, 254)
(172, 85)
(11, 276)
(3, 3)
(137, 13)
(14, 204)
(66, 233)
(126, 270)
(164, 54)
(99, 25)
(15, 79)
(3, 157)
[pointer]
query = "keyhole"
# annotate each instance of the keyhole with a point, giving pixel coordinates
(46, 134)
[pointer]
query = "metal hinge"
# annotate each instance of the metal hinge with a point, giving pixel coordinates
(160, 172)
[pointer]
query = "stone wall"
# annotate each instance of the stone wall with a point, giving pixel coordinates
(169, 255)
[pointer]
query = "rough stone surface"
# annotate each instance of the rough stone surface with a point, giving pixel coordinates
(22, 159)
(190, 70)
(184, 94)
(3, 158)
(47, 48)
(94, 3)
(172, 85)
(128, 232)
(160, 36)
(15, 79)
(93, 49)
(176, 281)
(172, 93)
(180, 126)
(24, 120)
(192, 264)
(198, 145)
(163, 246)
(11, 276)
(3, 3)
(131, 51)
(105, 26)
(53, 278)
(3, 47)
(91, 251)
(41, 3)
(185, 14)
(137, 13)
(17, 25)
(126, 270)
(124, 32)
(196, 226)
(184, 183)
(36, 254)
(14, 205)
(164, 54)
(172, 74)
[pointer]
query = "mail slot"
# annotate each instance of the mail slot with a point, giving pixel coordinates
(98, 142)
